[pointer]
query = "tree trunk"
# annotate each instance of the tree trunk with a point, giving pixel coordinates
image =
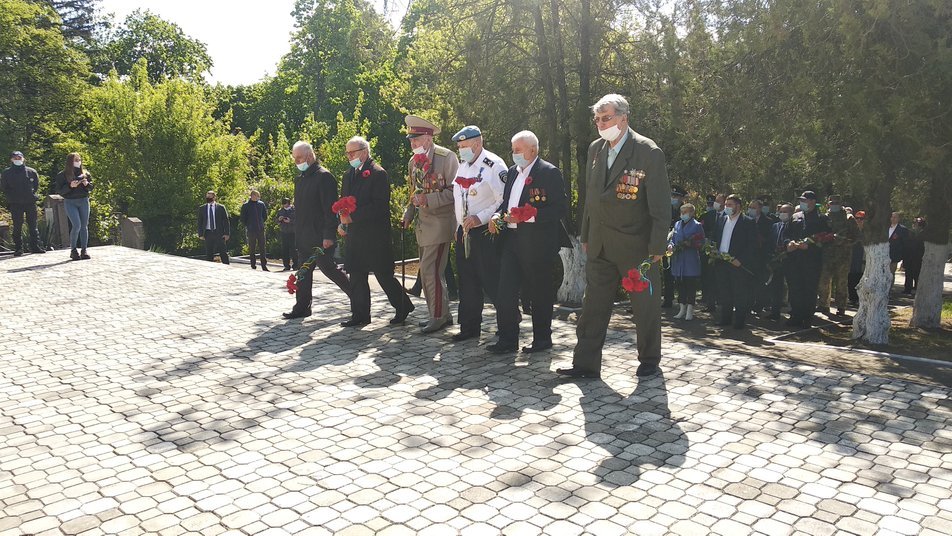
(582, 115)
(550, 120)
(573, 279)
(871, 323)
(927, 309)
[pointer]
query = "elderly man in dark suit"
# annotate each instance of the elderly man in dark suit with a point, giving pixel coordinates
(214, 228)
(776, 244)
(529, 248)
(805, 260)
(735, 236)
(315, 225)
(626, 219)
(369, 247)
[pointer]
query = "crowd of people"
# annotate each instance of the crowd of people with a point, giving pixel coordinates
(505, 225)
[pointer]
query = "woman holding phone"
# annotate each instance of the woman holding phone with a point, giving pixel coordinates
(74, 184)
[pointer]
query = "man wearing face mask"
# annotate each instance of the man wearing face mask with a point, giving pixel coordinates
(806, 261)
(20, 184)
(762, 225)
(430, 211)
(677, 200)
(529, 248)
(834, 276)
(214, 227)
(777, 244)
(736, 236)
(626, 219)
(315, 225)
(708, 281)
(475, 204)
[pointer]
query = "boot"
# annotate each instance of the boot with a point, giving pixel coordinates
(682, 311)
(74, 254)
(83, 255)
(689, 314)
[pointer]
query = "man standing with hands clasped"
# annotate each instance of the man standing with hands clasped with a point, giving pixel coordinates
(214, 228)
(625, 221)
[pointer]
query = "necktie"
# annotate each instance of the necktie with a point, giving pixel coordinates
(211, 216)
(780, 234)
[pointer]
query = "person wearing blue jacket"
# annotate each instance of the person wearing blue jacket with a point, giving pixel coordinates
(685, 245)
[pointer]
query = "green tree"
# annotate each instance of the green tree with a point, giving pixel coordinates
(168, 51)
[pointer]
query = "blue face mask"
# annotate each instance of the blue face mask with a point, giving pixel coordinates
(355, 163)
(765, 210)
(303, 166)
(804, 206)
(519, 160)
(466, 154)
(675, 201)
(686, 217)
(729, 211)
(752, 212)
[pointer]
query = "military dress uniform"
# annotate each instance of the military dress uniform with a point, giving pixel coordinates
(434, 223)
(479, 273)
(626, 219)
(834, 277)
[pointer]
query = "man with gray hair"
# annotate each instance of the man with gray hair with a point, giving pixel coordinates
(625, 221)
(315, 225)
(529, 245)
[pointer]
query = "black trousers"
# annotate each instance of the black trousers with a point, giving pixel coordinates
(532, 272)
(687, 289)
(215, 243)
(911, 271)
(478, 277)
(735, 296)
(852, 282)
(708, 282)
(360, 292)
(775, 291)
(803, 279)
(257, 247)
(21, 212)
(288, 251)
(668, 284)
(325, 263)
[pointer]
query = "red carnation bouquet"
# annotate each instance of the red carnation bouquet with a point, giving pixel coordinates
(465, 182)
(523, 214)
(296, 276)
(344, 206)
(637, 278)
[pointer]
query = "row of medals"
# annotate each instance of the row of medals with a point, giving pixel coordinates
(626, 190)
(536, 194)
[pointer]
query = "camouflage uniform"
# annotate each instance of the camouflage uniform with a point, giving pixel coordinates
(836, 260)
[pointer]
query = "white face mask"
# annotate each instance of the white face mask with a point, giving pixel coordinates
(419, 150)
(784, 217)
(610, 134)
(303, 166)
(466, 154)
(77, 165)
(18, 162)
(717, 206)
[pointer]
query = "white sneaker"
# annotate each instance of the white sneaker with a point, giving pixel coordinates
(682, 311)
(689, 315)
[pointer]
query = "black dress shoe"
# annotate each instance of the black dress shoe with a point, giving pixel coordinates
(577, 373)
(253, 267)
(666, 305)
(18, 253)
(537, 347)
(793, 322)
(500, 348)
(402, 315)
(414, 291)
(353, 322)
(37, 250)
(647, 370)
(264, 268)
(464, 335)
(773, 316)
(739, 326)
(296, 314)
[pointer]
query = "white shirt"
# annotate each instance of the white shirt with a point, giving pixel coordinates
(892, 229)
(613, 152)
(725, 245)
(210, 223)
(518, 185)
(484, 197)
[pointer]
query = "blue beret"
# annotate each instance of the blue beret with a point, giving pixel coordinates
(472, 131)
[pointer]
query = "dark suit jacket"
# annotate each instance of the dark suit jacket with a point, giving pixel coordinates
(743, 239)
(778, 238)
(709, 221)
(623, 225)
(315, 191)
(369, 246)
(898, 243)
(804, 226)
(547, 232)
(222, 223)
(763, 228)
(245, 215)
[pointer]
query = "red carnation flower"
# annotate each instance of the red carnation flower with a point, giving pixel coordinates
(365, 174)
(419, 159)
(528, 181)
(292, 284)
(465, 183)
(344, 205)
(635, 281)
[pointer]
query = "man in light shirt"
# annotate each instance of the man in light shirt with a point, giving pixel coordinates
(477, 193)
(214, 228)
(736, 236)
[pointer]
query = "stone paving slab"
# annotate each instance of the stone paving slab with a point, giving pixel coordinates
(144, 393)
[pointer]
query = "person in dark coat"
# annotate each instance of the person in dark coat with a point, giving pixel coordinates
(20, 184)
(762, 226)
(369, 247)
(735, 235)
(285, 219)
(777, 244)
(254, 213)
(685, 245)
(898, 242)
(857, 261)
(74, 184)
(709, 223)
(806, 261)
(912, 260)
(315, 226)
(214, 228)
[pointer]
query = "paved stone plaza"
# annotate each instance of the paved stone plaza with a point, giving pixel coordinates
(142, 393)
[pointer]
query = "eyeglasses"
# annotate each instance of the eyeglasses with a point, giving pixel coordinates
(352, 153)
(604, 118)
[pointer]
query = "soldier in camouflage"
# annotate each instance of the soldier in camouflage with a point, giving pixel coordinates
(834, 278)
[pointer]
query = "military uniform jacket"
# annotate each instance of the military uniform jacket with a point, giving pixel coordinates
(436, 221)
(547, 194)
(315, 190)
(484, 196)
(369, 247)
(630, 203)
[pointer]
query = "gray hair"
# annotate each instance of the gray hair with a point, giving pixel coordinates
(306, 148)
(360, 141)
(616, 101)
(527, 136)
